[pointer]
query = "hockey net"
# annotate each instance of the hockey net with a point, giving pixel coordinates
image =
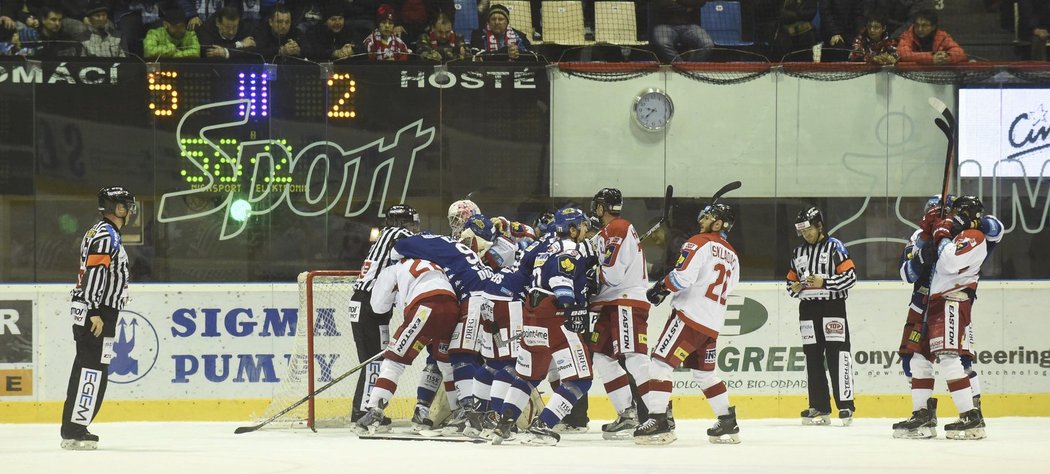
(323, 349)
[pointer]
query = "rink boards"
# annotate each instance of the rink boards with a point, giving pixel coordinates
(217, 352)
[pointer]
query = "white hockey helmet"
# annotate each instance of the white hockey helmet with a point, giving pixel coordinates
(459, 212)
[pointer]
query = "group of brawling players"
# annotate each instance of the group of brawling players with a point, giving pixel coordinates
(499, 306)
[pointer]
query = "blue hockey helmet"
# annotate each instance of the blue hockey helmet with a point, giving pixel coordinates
(567, 218)
(935, 201)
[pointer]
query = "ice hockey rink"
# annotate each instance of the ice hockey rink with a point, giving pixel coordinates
(1014, 445)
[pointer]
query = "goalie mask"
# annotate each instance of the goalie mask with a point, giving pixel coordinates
(808, 218)
(720, 212)
(610, 198)
(109, 197)
(459, 212)
(402, 215)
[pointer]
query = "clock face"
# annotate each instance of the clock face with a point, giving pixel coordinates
(653, 110)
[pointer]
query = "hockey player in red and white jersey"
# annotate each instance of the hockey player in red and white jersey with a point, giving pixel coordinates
(957, 250)
(705, 275)
(621, 329)
(431, 311)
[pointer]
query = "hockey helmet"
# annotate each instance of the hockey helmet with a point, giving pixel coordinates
(610, 198)
(110, 196)
(459, 212)
(544, 224)
(720, 212)
(935, 201)
(967, 209)
(402, 215)
(568, 218)
(808, 218)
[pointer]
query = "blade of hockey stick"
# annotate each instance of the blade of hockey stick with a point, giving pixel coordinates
(444, 439)
(667, 210)
(946, 122)
(249, 429)
(725, 189)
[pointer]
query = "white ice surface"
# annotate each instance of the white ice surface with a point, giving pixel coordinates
(1014, 445)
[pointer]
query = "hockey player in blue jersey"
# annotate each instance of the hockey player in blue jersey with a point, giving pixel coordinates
(919, 370)
(555, 315)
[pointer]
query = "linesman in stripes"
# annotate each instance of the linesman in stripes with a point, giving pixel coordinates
(372, 330)
(100, 294)
(820, 275)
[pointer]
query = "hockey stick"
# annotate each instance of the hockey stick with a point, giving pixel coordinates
(249, 429)
(663, 217)
(725, 189)
(444, 439)
(946, 122)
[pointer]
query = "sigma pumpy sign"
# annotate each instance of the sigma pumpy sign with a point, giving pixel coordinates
(233, 341)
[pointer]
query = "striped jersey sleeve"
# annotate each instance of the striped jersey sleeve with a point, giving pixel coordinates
(378, 257)
(104, 274)
(827, 258)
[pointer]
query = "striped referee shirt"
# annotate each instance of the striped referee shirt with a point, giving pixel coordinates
(379, 257)
(103, 278)
(828, 259)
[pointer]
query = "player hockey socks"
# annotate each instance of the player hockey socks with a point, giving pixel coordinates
(500, 389)
(428, 385)
(561, 402)
(518, 396)
(483, 380)
(921, 391)
(659, 395)
(618, 386)
(464, 366)
(961, 394)
(718, 398)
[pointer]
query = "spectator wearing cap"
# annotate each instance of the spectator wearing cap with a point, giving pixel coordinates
(172, 40)
(383, 44)
(103, 40)
(135, 17)
(498, 36)
(224, 35)
(330, 39)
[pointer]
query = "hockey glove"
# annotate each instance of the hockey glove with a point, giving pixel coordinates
(576, 318)
(906, 364)
(657, 293)
(942, 230)
(928, 255)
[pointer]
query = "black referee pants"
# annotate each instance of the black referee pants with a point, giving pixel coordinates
(369, 342)
(88, 377)
(825, 341)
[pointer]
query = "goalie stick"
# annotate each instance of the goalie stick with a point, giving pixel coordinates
(249, 429)
(946, 122)
(663, 217)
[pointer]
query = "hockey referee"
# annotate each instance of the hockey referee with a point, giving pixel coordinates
(100, 294)
(371, 330)
(821, 274)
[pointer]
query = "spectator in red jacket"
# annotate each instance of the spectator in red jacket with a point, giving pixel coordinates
(925, 43)
(874, 44)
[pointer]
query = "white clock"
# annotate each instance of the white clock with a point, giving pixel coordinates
(653, 110)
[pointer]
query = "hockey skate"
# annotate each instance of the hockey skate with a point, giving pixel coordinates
(655, 431)
(977, 406)
(489, 422)
(812, 416)
(921, 425)
(474, 419)
(421, 419)
(846, 416)
(371, 421)
(455, 423)
(539, 434)
(504, 430)
(565, 428)
(725, 430)
(969, 426)
(623, 427)
(80, 441)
